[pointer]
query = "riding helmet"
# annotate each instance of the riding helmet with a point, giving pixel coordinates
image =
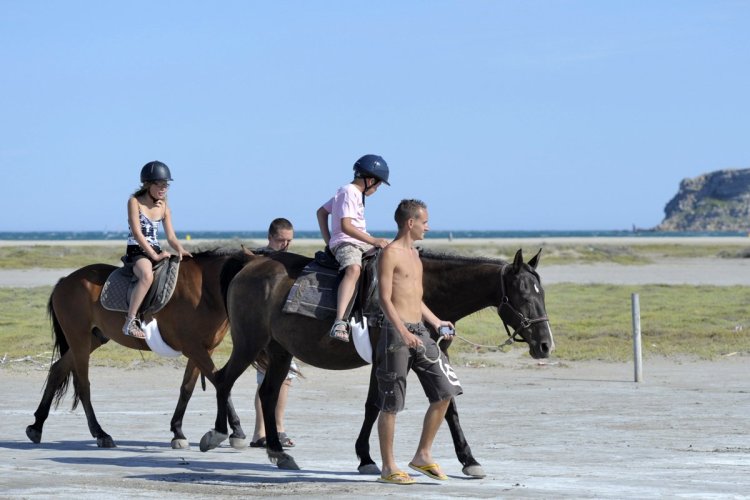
(155, 171)
(372, 166)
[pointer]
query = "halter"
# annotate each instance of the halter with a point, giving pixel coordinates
(523, 323)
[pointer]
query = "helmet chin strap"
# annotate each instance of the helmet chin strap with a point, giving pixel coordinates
(155, 200)
(367, 188)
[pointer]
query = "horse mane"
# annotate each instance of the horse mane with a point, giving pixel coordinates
(443, 255)
(216, 252)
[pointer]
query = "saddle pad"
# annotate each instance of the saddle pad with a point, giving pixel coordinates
(115, 294)
(314, 293)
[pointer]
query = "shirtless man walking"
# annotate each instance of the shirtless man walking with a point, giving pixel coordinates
(405, 344)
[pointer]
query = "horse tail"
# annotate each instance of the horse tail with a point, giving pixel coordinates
(61, 343)
(58, 350)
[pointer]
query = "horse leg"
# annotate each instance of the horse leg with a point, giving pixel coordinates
(237, 439)
(80, 353)
(55, 386)
(81, 356)
(224, 380)
(279, 361)
(199, 361)
(362, 446)
(179, 441)
(463, 451)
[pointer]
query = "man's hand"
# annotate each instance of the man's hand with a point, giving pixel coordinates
(411, 340)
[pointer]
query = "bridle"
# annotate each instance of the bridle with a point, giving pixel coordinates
(523, 321)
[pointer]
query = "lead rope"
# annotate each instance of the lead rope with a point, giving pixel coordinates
(421, 349)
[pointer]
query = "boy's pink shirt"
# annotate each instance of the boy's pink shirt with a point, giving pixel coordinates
(347, 202)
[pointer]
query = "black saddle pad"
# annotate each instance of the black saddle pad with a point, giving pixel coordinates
(314, 293)
(115, 294)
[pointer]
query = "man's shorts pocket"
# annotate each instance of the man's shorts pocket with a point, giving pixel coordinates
(389, 391)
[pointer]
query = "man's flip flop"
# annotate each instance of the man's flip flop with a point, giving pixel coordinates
(260, 443)
(397, 478)
(429, 470)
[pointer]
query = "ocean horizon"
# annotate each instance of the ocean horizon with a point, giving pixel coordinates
(302, 235)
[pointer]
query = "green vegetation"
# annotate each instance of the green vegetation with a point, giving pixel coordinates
(61, 256)
(594, 322)
(58, 256)
(555, 253)
(590, 322)
(64, 257)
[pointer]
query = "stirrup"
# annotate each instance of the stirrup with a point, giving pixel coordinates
(340, 331)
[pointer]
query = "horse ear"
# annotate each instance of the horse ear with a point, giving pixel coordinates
(535, 259)
(518, 260)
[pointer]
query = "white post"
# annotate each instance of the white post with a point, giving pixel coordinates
(637, 337)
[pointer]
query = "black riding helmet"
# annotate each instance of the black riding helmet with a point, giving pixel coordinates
(155, 171)
(372, 166)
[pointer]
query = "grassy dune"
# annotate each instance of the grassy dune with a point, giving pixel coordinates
(589, 321)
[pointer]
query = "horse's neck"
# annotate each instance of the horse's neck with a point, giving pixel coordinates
(453, 290)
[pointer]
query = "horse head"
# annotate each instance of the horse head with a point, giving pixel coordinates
(522, 306)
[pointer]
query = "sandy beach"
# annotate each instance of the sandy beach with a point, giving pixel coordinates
(540, 430)
(670, 271)
(549, 429)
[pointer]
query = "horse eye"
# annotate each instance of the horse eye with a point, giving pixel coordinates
(536, 288)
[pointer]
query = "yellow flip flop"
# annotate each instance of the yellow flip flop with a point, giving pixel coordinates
(430, 470)
(397, 478)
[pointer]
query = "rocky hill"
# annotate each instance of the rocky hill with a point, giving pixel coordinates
(717, 201)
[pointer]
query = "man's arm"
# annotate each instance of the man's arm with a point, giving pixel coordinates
(386, 268)
(429, 317)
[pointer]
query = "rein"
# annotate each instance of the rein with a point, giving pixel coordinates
(523, 323)
(514, 336)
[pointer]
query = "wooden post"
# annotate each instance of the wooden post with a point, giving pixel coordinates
(637, 355)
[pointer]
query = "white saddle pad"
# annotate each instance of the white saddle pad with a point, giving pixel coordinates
(155, 342)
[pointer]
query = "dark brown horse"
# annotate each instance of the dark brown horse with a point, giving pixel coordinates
(454, 287)
(194, 322)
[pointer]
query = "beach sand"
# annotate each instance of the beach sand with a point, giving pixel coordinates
(668, 271)
(554, 430)
(540, 429)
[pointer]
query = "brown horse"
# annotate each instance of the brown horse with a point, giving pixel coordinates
(454, 287)
(193, 322)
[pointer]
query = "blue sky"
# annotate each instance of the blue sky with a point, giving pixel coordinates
(499, 114)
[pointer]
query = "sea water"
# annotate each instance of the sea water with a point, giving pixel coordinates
(301, 235)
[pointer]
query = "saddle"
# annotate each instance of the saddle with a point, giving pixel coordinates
(314, 293)
(115, 294)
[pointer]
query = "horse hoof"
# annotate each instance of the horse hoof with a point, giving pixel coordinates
(34, 435)
(283, 460)
(180, 444)
(212, 439)
(369, 469)
(105, 442)
(238, 443)
(475, 471)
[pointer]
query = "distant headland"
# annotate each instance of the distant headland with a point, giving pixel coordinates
(716, 201)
